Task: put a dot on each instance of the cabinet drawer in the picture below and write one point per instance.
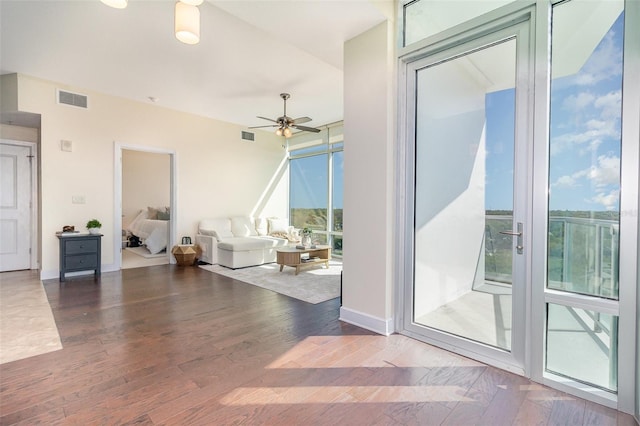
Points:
(89, 261)
(78, 247)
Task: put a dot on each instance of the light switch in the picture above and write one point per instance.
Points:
(77, 199)
(66, 145)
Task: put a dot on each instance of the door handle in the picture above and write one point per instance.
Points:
(516, 233)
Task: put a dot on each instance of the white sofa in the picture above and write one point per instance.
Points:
(241, 241)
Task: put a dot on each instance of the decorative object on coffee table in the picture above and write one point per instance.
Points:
(306, 237)
(186, 254)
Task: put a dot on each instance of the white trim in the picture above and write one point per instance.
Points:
(578, 389)
(537, 344)
(117, 191)
(519, 25)
(629, 236)
(581, 301)
(366, 321)
(470, 349)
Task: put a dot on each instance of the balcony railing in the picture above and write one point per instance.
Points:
(582, 254)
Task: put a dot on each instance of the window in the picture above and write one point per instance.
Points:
(315, 185)
(585, 144)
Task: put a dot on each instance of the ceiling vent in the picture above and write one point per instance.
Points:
(248, 136)
(72, 99)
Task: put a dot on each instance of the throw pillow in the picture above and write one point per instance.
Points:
(242, 226)
(262, 226)
(157, 241)
(164, 216)
(152, 213)
(278, 226)
(219, 228)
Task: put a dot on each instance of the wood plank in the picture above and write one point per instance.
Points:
(181, 345)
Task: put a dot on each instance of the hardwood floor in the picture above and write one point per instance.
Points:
(182, 346)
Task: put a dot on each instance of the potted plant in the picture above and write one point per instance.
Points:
(306, 236)
(94, 226)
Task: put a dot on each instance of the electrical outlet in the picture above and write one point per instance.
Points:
(77, 199)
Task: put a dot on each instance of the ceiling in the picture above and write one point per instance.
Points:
(250, 52)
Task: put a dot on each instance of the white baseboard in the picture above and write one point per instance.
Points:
(51, 274)
(366, 321)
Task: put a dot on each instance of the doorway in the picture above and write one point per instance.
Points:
(471, 195)
(145, 205)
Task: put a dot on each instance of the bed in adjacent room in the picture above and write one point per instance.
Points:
(151, 227)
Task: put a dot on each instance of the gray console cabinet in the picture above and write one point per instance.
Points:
(80, 253)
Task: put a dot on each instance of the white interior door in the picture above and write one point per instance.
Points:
(15, 206)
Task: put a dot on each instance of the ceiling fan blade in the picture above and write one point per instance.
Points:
(306, 129)
(268, 119)
(260, 127)
(301, 120)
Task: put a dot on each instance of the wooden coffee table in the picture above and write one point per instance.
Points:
(291, 256)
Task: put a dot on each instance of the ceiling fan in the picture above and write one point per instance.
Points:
(284, 124)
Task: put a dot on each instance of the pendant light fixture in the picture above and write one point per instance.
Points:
(118, 4)
(192, 2)
(187, 23)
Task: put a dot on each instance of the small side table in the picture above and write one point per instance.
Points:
(80, 252)
(186, 254)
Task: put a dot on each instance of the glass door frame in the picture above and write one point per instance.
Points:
(626, 305)
(515, 25)
(628, 308)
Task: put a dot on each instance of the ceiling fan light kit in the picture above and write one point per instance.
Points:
(187, 22)
(284, 124)
(118, 4)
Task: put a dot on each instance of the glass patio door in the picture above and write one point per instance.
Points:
(519, 200)
(471, 196)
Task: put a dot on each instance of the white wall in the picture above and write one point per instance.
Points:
(146, 181)
(18, 133)
(369, 108)
(217, 173)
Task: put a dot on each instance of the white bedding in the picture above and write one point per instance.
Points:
(142, 228)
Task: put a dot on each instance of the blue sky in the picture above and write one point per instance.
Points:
(585, 134)
(584, 150)
(309, 181)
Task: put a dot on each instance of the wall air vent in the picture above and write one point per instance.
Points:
(248, 136)
(72, 99)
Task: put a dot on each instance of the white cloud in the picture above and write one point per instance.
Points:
(565, 181)
(608, 201)
(578, 101)
(610, 104)
(606, 172)
(604, 63)
(604, 177)
(592, 133)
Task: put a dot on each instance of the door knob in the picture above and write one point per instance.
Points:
(516, 233)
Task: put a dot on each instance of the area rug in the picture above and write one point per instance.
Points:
(314, 284)
(144, 252)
